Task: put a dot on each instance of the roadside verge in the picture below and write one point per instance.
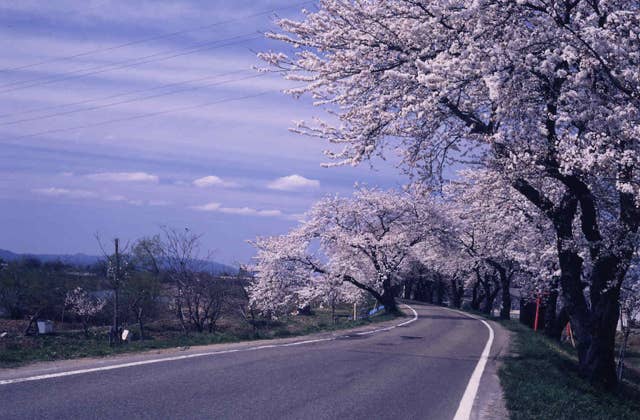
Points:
(541, 381)
(46, 370)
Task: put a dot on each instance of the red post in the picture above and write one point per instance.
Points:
(535, 323)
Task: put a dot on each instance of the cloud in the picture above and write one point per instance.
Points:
(296, 217)
(208, 207)
(64, 192)
(293, 183)
(69, 193)
(123, 177)
(213, 181)
(243, 211)
(247, 211)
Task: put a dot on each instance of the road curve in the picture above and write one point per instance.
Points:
(416, 371)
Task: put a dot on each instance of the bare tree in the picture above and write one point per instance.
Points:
(148, 253)
(142, 291)
(142, 294)
(198, 296)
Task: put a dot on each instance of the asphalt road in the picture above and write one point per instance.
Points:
(416, 371)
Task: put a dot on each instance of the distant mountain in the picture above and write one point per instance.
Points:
(75, 259)
(219, 268)
(83, 260)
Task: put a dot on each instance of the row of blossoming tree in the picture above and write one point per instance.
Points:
(382, 244)
(539, 100)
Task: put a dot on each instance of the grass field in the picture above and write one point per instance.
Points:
(17, 349)
(632, 357)
(540, 381)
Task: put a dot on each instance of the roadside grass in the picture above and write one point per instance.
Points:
(540, 381)
(18, 350)
(632, 356)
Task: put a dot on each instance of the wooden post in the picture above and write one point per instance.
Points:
(573, 343)
(623, 348)
(355, 311)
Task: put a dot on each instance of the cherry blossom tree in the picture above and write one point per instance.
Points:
(83, 305)
(286, 271)
(545, 93)
(362, 241)
(423, 283)
(442, 256)
(504, 236)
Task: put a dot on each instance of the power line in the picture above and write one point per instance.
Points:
(153, 38)
(126, 101)
(146, 115)
(127, 63)
(118, 95)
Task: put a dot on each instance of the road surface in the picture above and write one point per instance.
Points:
(416, 371)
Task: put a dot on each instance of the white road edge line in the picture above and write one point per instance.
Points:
(466, 403)
(191, 356)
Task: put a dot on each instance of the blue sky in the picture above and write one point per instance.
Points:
(80, 155)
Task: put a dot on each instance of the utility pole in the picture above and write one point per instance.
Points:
(116, 288)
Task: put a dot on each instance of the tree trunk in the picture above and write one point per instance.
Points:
(554, 330)
(428, 292)
(115, 328)
(623, 350)
(180, 314)
(475, 299)
(552, 324)
(595, 327)
(32, 319)
(457, 292)
(140, 323)
(488, 301)
(439, 289)
(305, 310)
(199, 326)
(598, 358)
(505, 311)
(489, 295)
(389, 301)
(505, 284)
(408, 288)
(115, 331)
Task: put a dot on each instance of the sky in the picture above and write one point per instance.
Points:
(118, 117)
